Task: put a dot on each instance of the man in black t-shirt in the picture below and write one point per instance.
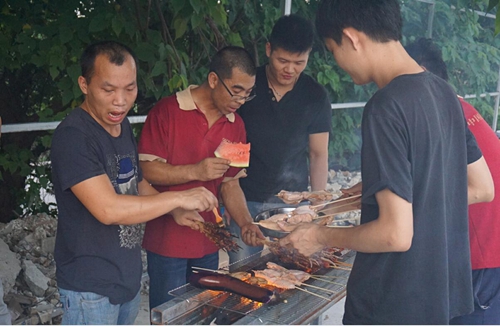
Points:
(101, 195)
(420, 166)
(287, 124)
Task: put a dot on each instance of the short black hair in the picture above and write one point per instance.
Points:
(231, 57)
(292, 33)
(426, 53)
(380, 20)
(115, 51)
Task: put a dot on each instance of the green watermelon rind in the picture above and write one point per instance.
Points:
(236, 165)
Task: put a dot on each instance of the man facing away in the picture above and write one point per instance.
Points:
(484, 222)
(102, 196)
(176, 150)
(288, 124)
(421, 167)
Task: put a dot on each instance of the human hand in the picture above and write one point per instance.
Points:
(198, 199)
(211, 168)
(187, 218)
(354, 190)
(303, 237)
(251, 234)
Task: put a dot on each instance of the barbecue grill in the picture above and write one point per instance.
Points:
(202, 307)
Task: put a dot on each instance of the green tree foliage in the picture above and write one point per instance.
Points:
(41, 41)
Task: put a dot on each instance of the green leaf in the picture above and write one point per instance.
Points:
(54, 72)
(160, 68)
(98, 23)
(65, 34)
(492, 4)
(145, 52)
(180, 26)
(196, 21)
(117, 25)
(196, 4)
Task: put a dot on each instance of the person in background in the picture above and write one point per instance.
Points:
(176, 150)
(484, 218)
(421, 167)
(102, 196)
(287, 124)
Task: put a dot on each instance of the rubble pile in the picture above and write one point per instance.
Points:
(28, 271)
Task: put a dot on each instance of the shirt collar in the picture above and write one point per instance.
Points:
(186, 102)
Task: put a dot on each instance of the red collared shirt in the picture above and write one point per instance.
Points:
(177, 132)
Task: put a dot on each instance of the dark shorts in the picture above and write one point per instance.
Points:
(486, 283)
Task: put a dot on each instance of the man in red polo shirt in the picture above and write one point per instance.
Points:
(176, 151)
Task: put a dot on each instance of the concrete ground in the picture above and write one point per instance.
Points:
(332, 316)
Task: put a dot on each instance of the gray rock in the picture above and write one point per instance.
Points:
(37, 282)
(9, 267)
(48, 245)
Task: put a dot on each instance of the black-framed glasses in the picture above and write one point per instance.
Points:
(236, 98)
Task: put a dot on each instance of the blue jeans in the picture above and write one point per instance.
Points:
(486, 290)
(246, 251)
(88, 308)
(166, 274)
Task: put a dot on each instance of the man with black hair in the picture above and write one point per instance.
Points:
(176, 150)
(484, 222)
(421, 168)
(101, 195)
(288, 123)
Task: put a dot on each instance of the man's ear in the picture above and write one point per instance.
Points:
(212, 79)
(268, 49)
(352, 36)
(82, 82)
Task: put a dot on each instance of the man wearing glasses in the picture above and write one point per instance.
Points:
(176, 152)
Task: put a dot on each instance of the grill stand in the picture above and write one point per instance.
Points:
(196, 306)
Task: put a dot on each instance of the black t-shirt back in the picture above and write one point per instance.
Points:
(416, 143)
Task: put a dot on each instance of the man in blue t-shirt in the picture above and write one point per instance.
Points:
(421, 167)
(101, 195)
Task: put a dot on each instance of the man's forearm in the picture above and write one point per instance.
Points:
(318, 173)
(165, 174)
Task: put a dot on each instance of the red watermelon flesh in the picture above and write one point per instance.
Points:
(237, 153)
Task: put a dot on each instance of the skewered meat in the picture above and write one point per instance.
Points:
(318, 197)
(222, 282)
(278, 217)
(328, 257)
(295, 197)
(291, 274)
(291, 197)
(299, 218)
(275, 279)
(219, 235)
(304, 209)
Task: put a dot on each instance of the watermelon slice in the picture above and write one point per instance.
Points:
(237, 153)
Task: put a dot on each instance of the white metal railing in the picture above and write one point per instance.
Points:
(37, 126)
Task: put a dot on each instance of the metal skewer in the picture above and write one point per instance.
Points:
(312, 293)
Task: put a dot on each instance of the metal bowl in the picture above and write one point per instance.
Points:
(267, 214)
(264, 215)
